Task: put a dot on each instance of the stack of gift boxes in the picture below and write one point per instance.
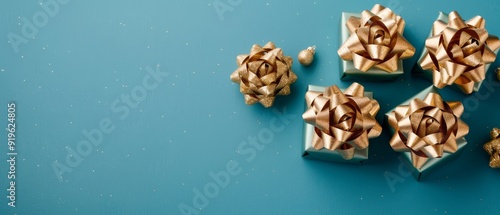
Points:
(338, 123)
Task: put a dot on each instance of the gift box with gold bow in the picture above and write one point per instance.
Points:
(339, 123)
(373, 45)
(427, 131)
(458, 52)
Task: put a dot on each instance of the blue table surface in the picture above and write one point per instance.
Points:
(126, 107)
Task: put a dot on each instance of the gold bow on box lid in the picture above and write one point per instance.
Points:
(373, 43)
(263, 74)
(458, 52)
(427, 129)
(338, 124)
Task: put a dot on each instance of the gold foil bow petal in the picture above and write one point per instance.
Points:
(376, 40)
(343, 121)
(493, 148)
(458, 51)
(263, 74)
(427, 128)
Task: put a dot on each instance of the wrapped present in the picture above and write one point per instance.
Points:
(338, 125)
(373, 45)
(263, 74)
(427, 131)
(458, 52)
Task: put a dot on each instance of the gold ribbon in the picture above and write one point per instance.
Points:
(427, 128)
(263, 74)
(342, 121)
(376, 40)
(458, 51)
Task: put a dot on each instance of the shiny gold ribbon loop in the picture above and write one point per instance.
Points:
(263, 74)
(427, 128)
(343, 121)
(458, 51)
(376, 40)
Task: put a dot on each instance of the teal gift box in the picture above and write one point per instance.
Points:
(425, 115)
(338, 101)
(460, 56)
(372, 45)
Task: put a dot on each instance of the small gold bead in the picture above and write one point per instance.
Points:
(306, 56)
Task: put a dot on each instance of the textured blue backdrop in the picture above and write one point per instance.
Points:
(148, 83)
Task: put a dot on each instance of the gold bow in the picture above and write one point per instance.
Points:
(458, 51)
(376, 40)
(342, 121)
(263, 74)
(493, 148)
(427, 128)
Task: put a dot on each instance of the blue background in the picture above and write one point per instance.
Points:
(90, 53)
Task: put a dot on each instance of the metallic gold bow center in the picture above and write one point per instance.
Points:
(427, 128)
(263, 74)
(376, 40)
(458, 51)
(343, 121)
